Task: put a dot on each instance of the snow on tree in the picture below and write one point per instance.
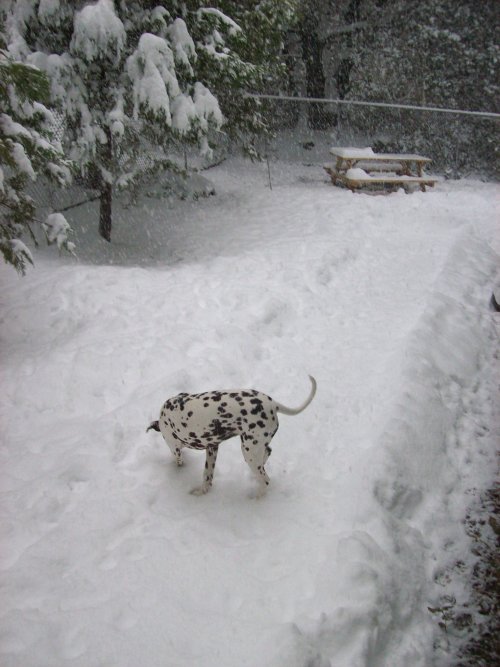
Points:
(126, 75)
(255, 62)
(27, 151)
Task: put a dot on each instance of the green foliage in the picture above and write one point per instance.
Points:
(26, 151)
(156, 79)
(30, 84)
(255, 64)
(161, 76)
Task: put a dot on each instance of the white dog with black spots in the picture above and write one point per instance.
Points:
(203, 421)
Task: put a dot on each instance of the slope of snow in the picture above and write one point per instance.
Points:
(107, 559)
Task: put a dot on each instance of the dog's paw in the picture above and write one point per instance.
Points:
(179, 462)
(260, 492)
(200, 490)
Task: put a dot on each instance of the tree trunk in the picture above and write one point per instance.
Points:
(320, 118)
(106, 191)
(315, 77)
(346, 65)
(105, 211)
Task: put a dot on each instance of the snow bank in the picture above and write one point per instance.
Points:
(448, 353)
(435, 448)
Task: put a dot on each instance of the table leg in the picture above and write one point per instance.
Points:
(406, 168)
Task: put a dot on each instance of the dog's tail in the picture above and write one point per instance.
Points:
(154, 425)
(295, 411)
(494, 305)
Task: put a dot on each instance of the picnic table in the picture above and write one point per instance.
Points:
(359, 167)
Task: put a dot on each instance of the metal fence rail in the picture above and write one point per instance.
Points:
(460, 142)
(380, 105)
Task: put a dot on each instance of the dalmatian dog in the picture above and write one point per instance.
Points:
(203, 421)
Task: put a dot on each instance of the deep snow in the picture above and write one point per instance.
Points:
(108, 561)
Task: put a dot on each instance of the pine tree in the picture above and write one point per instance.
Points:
(255, 62)
(27, 151)
(129, 75)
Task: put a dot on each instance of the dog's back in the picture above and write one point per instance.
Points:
(198, 420)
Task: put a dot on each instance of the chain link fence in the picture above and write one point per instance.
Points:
(459, 145)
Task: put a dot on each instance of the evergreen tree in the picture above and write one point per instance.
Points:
(125, 75)
(135, 76)
(312, 54)
(27, 151)
(255, 63)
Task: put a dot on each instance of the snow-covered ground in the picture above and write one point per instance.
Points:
(106, 559)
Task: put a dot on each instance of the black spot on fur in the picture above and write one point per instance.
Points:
(217, 427)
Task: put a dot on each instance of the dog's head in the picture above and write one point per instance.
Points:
(154, 425)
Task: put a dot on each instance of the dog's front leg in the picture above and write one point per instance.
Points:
(178, 456)
(208, 474)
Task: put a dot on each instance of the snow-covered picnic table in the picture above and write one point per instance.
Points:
(358, 167)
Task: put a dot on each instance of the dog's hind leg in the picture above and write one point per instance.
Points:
(208, 474)
(256, 451)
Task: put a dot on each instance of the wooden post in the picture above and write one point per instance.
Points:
(269, 173)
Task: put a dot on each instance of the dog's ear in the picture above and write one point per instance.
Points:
(154, 425)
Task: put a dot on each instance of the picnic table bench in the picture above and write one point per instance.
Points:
(359, 167)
